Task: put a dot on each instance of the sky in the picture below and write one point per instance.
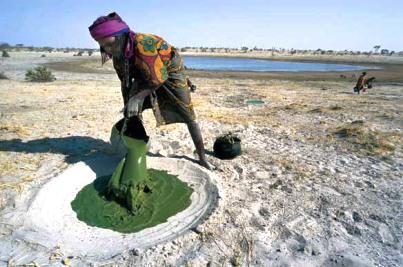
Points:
(298, 24)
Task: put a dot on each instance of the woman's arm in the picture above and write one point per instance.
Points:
(134, 105)
(119, 68)
(125, 93)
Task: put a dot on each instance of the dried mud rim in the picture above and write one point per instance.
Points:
(50, 220)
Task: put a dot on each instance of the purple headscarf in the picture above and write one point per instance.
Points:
(112, 25)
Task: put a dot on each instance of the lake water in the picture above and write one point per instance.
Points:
(246, 64)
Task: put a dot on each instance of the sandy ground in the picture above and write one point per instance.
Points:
(318, 184)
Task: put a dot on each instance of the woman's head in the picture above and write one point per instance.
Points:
(106, 26)
(113, 45)
(110, 32)
(107, 43)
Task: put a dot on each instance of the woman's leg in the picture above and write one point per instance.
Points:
(197, 138)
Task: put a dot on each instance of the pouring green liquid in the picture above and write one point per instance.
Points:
(133, 197)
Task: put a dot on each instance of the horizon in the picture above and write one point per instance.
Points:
(198, 47)
(353, 26)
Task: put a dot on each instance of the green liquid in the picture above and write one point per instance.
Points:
(255, 102)
(168, 196)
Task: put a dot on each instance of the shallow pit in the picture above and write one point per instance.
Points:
(51, 221)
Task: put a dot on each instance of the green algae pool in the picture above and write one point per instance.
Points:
(167, 197)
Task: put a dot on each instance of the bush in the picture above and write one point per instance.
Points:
(39, 74)
(3, 76)
(5, 54)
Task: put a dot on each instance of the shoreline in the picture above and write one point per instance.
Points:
(388, 73)
(352, 60)
(289, 59)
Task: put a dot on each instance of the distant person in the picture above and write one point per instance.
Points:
(360, 82)
(151, 73)
(369, 83)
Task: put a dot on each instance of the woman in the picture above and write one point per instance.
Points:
(361, 83)
(151, 73)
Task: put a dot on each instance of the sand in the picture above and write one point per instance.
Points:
(318, 184)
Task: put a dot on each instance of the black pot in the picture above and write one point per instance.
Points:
(227, 147)
(134, 128)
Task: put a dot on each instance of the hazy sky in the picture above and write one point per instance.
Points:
(300, 24)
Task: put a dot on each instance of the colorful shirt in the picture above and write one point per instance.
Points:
(156, 64)
(152, 57)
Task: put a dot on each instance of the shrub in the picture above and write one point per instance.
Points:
(39, 74)
(5, 54)
(368, 141)
(3, 76)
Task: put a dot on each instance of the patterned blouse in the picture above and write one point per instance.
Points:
(152, 60)
(156, 64)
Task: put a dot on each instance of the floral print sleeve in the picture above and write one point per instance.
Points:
(152, 58)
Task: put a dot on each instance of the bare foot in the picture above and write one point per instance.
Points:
(207, 165)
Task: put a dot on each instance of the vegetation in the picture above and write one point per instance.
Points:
(244, 49)
(39, 74)
(369, 141)
(3, 76)
(4, 45)
(5, 54)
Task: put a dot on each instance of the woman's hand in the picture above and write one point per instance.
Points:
(133, 107)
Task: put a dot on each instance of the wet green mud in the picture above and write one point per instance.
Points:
(168, 196)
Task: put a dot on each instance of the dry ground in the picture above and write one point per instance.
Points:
(319, 182)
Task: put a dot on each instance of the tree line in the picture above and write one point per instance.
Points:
(244, 49)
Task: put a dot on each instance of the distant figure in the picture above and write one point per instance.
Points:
(360, 82)
(369, 83)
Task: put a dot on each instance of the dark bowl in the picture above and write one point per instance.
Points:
(119, 125)
(134, 128)
(225, 149)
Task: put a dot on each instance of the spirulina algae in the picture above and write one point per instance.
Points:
(168, 196)
(133, 197)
